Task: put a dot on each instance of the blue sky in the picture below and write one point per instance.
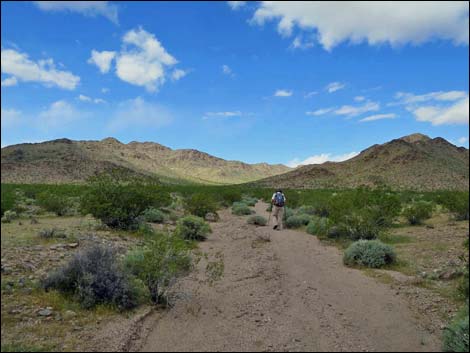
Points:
(258, 82)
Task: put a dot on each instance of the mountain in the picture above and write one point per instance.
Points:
(412, 162)
(67, 161)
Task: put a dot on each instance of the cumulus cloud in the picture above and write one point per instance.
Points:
(456, 113)
(378, 117)
(334, 86)
(21, 68)
(9, 81)
(102, 59)
(138, 113)
(235, 5)
(87, 8)
(321, 158)
(300, 43)
(143, 61)
(396, 23)
(283, 93)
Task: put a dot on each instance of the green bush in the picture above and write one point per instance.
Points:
(319, 226)
(358, 226)
(458, 204)
(240, 209)
(192, 228)
(60, 205)
(8, 216)
(52, 233)
(118, 205)
(230, 196)
(455, 336)
(153, 215)
(257, 220)
(250, 201)
(418, 211)
(159, 263)
(200, 204)
(370, 253)
(308, 210)
(297, 221)
(94, 277)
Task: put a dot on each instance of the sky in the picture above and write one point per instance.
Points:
(277, 82)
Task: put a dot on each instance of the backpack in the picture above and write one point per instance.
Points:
(279, 199)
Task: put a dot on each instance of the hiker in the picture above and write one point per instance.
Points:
(278, 201)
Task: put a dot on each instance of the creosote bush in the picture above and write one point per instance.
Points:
(455, 337)
(58, 204)
(192, 228)
(8, 216)
(319, 226)
(159, 263)
(240, 209)
(369, 253)
(200, 204)
(153, 215)
(94, 277)
(418, 211)
(250, 201)
(52, 233)
(358, 226)
(257, 220)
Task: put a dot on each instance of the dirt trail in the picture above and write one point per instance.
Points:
(290, 294)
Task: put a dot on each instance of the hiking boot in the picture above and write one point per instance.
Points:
(275, 227)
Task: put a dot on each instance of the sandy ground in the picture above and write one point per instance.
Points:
(290, 294)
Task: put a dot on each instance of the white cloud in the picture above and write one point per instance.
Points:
(99, 101)
(334, 86)
(9, 81)
(359, 98)
(178, 74)
(396, 23)
(58, 114)
(227, 114)
(321, 158)
(379, 117)
(320, 111)
(235, 5)
(10, 117)
(457, 113)
(227, 70)
(310, 94)
(102, 59)
(87, 99)
(410, 98)
(351, 111)
(145, 64)
(300, 43)
(137, 113)
(104, 90)
(87, 8)
(23, 69)
(283, 93)
(462, 140)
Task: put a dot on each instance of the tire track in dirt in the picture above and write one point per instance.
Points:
(290, 294)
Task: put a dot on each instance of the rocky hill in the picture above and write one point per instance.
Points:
(411, 162)
(67, 161)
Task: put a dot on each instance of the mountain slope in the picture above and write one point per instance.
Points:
(411, 162)
(67, 161)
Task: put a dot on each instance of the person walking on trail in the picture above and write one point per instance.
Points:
(278, 201)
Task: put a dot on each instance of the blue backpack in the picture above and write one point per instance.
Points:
(279, 199)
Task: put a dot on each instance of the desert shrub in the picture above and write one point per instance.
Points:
(358, 226)
(153, 215)
(457, 203)
(52, 233)
(418, 211)
(319, 226)
(250, 201)
(118, 205)
(240, 209)
(370, 253)
(455, 337)
(58, 204)
(297, 221)
(200, 204)
(309, 210)
(257, 220)
(8, 216)
(94, 277)
(288, 212)
(230, 196)
(192, 228)
(159, 263)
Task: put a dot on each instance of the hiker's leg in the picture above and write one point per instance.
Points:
(281, 218)
(275, 215)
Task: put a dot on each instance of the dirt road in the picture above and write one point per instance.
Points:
(290, 294)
